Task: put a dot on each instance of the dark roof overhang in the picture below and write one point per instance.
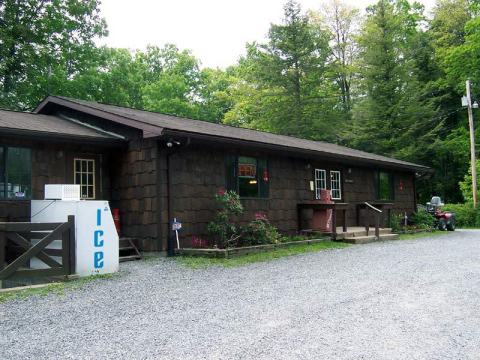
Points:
(60, 138)
(168, 128)
(148, 130)
(296, 152)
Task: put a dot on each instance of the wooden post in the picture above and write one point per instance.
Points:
(71, 245)
(472, 145)
(377, 225)
(334, 224)
(3, 245)
(66, 252)
(344, 220)
(366, 219)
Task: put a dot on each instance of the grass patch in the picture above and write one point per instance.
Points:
(422, 234)
(54, 288)
(196, 262)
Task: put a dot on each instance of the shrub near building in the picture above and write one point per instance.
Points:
(465, 214)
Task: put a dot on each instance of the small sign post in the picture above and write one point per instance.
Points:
(176, 225)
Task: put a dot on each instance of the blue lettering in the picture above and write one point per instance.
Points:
(99, 217)
(97, 241)
(98, 260)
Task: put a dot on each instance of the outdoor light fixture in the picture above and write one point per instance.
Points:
(252, 182)
(170, 143)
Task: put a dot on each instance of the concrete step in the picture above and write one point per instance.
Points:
(360, 239)
(386, 237)
(371, 231)
(369, 238)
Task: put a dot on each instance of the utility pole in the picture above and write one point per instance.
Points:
(472, 145)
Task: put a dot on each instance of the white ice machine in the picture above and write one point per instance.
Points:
(95, 234)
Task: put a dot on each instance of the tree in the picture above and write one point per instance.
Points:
(342, 21)
(164, 80)
(449, 154)
(42, 45)
(394, 110)
(283, 85)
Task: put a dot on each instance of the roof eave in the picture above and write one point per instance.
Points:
(39, 135)
(148, 130)
(295, 150)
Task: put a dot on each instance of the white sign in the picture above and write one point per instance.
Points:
(96, 237)
(176, 225)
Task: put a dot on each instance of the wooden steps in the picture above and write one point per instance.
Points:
(361, 237)
(128, 251)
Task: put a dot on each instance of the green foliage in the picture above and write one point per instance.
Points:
(394, 116)
(390, 85)
(260, 231)
(466, 184)
(43, 44)
(422, 220)
(433, 233)
(284, 86)
(226, 233)
(465, 214)
(397, 222)
(58, 288)
(418, 220)
(296, 249)
(222, 228)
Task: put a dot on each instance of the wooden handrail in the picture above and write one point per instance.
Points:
(377, 219)
(373, 207)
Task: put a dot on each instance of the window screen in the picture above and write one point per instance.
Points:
(320, 182)
(84, 175)
(15, 173)
(336, 185)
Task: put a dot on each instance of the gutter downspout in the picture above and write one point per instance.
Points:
(171, 243)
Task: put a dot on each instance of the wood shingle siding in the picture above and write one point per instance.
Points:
(156, 167)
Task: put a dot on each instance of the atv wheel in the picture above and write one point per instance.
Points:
(451, 226)
(442, 225)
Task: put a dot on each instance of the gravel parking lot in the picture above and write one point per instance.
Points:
(411, 299)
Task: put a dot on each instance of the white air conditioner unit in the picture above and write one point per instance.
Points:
(62, 192)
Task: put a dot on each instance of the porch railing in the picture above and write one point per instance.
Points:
(377, 213)
(30, 241)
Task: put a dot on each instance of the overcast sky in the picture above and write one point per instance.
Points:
(215, 30)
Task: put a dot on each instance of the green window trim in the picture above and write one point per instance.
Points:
(247, 176)
(15, 173)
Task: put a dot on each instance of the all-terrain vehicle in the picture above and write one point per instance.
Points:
(445, 220)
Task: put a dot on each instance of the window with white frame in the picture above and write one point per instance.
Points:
(84, 175)
(320, 182)
(336, 185)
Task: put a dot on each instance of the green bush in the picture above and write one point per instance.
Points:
(422, 220)
(259, 232)
(397, 222)
(224, 232)
(465, 214)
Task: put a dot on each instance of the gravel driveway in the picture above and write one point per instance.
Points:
(415, 299)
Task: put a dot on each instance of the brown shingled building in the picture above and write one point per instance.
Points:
(155, 167)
